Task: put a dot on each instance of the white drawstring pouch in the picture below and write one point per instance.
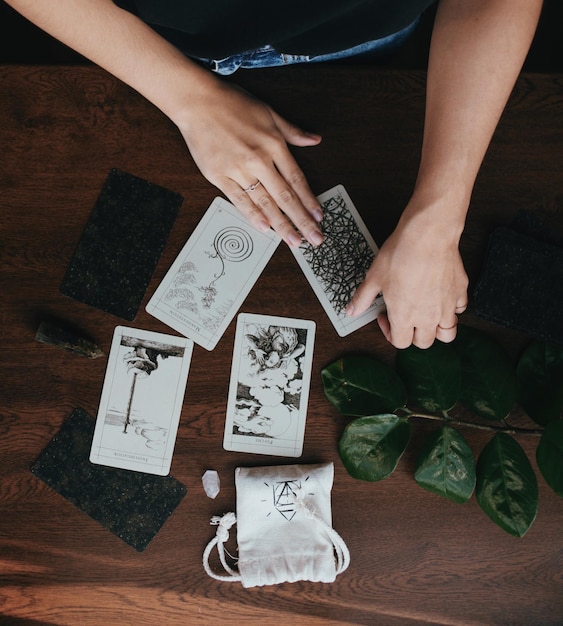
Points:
(284, 527)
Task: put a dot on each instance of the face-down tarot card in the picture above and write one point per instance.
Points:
(337, 267)
(212, 275)
(141, 401)
(269, 387)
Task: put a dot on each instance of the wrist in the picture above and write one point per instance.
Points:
(185, 90)
(440, 218)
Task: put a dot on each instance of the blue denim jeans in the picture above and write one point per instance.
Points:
(266, 56)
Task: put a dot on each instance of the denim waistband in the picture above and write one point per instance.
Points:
(266, 56)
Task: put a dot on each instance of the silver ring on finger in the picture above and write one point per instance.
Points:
(448, 327)
(252, 187)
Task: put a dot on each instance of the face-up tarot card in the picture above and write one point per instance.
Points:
(338, 266)
(141, 401)
(212, 275)
(269, 387)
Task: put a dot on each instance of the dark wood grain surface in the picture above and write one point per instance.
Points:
(416, 558)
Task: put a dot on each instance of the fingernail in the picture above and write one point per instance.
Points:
(263, 226)
(349, 310)
(317, 215)
(316, 237)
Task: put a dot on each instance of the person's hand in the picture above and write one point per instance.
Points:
(240, 145)
(421, 276)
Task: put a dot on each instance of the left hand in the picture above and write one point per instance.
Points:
(420, 273)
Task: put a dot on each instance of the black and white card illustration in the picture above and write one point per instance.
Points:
(337, 267)
(141, 401)
(212, 275)
(269, 386)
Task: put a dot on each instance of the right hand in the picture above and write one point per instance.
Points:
(241, 146)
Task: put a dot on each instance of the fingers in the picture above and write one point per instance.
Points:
(461, 304)
(422, 337)
(294, 196)
(286, 201)
(279, 197)
(402, 336)
(253, 166)
(274, 204)
(402, 332)
(398, 336)
(364, 295)
(446, 332)
(293, 134)
(236, 194)
(252, 187)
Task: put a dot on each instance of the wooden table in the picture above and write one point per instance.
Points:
(416, 558)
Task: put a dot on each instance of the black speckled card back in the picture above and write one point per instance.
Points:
(521, 284)
(121, 244)
(132, 505)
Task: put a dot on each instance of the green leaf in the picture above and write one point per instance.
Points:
(446, 466)
(549, 456)
(507, 489)
(361, 385)
(432, 376)
(540, 381)
(371, 446)
(488, 377)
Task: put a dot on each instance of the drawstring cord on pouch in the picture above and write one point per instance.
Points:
(227, 521)
(224, 524)
(340, 548)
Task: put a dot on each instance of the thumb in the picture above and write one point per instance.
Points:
(363, 298)
(293, 134)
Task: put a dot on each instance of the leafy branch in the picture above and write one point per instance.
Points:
(511, 430)
(476, 372)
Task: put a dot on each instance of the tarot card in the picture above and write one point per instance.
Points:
(132, 505)
(121, 244)
(269, 387)
(141, 401)
(212, 275)
(336, 268)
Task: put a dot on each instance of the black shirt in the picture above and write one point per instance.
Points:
(219, 28)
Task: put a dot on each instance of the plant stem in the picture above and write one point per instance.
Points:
(511, 430)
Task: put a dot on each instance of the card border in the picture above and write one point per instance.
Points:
(347, 325)
(95, 450)
(296, 450)
(159, 310)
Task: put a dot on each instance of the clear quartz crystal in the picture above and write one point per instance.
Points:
(210, 480)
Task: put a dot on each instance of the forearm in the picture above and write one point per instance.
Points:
(235, 140)
(477, 51)
(126, 47)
